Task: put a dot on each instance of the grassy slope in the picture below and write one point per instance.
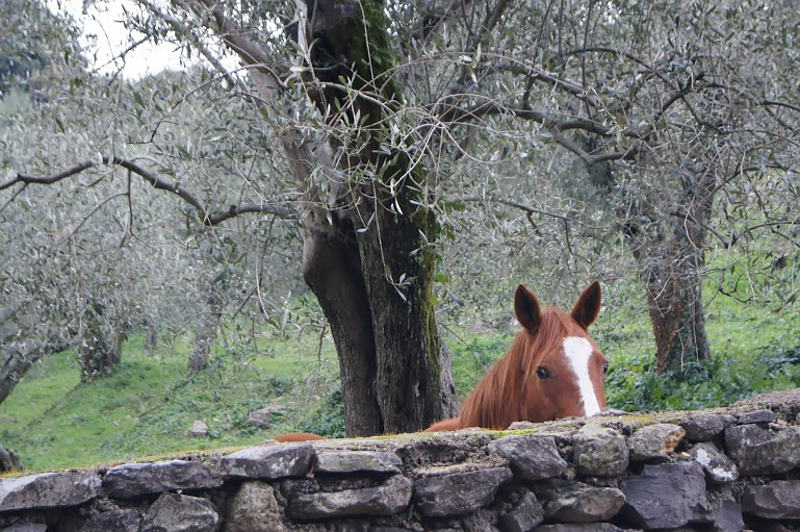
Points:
(147, 407)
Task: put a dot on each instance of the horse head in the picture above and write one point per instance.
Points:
(563, 368)
(553, 369)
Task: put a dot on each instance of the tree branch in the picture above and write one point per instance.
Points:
(209, 218)
(523, 207)
(248, 50)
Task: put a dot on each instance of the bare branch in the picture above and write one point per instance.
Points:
(248, 50)
(209, 218)
(523, 207)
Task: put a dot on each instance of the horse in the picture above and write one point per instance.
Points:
(553, 369)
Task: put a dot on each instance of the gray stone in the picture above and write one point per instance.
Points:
(666, 496)
(707, 426)
(9, 460)
(575, 502)
(386, 499)
(132, 480)
(757, 450)
(728, 517)
(524, 516)
(780, 499)
(532, 457)
(254, 509)
(357, 461)
(600, 452)
(48, 490)
(719, 468)
(26, 527)
(268, 462)
(262, 417)
(458, 493)
(199, 429)
(116, 520)
(756, 416)
(655, 441)
(173, 512)
(581, 527)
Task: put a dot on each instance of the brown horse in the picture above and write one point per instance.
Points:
(553, 369)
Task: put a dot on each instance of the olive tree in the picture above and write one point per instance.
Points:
(378, 108)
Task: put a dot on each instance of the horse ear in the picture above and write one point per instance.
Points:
(588, 306)
(526, 309)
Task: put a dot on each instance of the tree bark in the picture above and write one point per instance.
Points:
(332, 269)
(676, 310)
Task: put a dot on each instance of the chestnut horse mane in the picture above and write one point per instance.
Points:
(499, 398)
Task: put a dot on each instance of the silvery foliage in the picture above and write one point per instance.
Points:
(101, 249)
(660, 86)
(516, 103)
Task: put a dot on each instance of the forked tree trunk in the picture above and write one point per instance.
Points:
(395, 373)
(370, 268)
(332, 269)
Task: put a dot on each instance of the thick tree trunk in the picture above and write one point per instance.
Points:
(332, 270)
(370, 268)
(674, 301)
(398, 266)
(393, 373)
(671, 260)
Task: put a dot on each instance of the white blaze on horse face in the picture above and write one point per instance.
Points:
(578, 352)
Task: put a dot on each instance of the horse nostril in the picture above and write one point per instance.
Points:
(605, 368)
(543, 372)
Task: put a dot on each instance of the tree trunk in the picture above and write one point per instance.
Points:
(671, 260)
(332, 270)
(15, 365)
(99, 352)
(670, 253)
(674, 301)
(151, 337)
(206, 332)
(398, 266)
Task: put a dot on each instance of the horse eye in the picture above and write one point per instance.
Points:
(605, 368)
(542, 372)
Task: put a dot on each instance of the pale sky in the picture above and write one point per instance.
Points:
(112, 38)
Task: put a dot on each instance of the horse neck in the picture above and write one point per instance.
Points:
(498, 399)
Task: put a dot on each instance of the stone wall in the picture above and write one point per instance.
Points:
(723, 469)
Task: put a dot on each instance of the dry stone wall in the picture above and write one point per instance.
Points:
(718, 470)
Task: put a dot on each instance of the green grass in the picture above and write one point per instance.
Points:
(148, 405)
(53, 420)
